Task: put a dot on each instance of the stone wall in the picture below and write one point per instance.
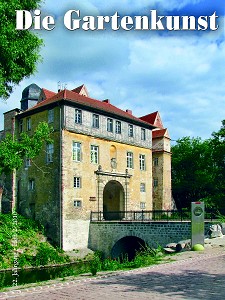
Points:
(103, 236)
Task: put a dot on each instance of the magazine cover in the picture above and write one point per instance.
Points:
(111, 126)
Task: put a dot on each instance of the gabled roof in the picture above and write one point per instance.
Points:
(87, 102)
(154, 119)
(158, 133)
(81, 90)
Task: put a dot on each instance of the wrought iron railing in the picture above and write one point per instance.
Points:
(143, 215)
(151, 215)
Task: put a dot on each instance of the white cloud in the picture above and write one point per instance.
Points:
(180, 74)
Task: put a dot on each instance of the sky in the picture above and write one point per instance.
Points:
(180, 74)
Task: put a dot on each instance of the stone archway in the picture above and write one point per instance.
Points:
(113, 201)
(127, 247)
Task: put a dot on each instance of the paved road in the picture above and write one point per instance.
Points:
(201, 277)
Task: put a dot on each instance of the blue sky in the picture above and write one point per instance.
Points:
(180, 74)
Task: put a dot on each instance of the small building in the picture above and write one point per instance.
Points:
(102, 159)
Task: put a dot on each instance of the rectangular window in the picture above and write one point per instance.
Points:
(31, 185)
(51, 116)
(95, 121)
(130, 130)
(76, 151)
(110, 125)
(142, 205)
(27, 162)
(78, 116)
(50, 151)
(130, 162)
(155, 182)
(142, 162)
(118, 127)
(94, 154)
(77, 203)
(142, 187)
(77, 182)
(21, 126)
(155, 161)
(28, 124)
(143, 134)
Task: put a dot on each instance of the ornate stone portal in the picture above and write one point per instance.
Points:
(113, 193)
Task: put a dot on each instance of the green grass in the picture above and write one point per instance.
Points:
(23, 240)
(143, 258)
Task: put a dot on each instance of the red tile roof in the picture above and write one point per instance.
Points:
(160, 133)
(81, 88)
(153, 118)
(76, 98)
(48, 93)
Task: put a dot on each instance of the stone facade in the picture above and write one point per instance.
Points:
(100, 160)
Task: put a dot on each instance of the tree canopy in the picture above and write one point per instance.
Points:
(14, 151)
(19, 48)
(198, 170)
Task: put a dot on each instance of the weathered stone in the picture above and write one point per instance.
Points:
(169, 250)
(171, 246)
(215, 231)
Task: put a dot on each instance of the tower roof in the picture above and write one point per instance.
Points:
(31, 92)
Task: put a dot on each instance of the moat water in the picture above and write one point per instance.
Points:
(24, 276)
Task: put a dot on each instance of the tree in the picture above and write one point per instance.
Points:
(19, 48)
(14, 151)
(217, 144)
(198, 170)
(193, 173)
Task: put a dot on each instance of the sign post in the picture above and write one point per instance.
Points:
(197, 223)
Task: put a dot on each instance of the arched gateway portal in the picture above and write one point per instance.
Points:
(113, 201)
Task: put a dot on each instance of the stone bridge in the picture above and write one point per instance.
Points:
(114, 238)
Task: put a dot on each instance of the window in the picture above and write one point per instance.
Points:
(50, 115)
(155, 161)
(50, 151)
(143, 134)
(28, 124)
(118, 127)
(110, 125)
(129, 160)
(76, 151)
(155, 182)
(21, 126)
(77, 203)
(77, 182)
(142, 205)
(78, 116)
(31, 185)
(27, 162)
(130, 130)
(94, 154)
(95, 121)
(142, 162)
(142, 187)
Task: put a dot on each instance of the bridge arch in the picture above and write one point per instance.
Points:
(127, 246)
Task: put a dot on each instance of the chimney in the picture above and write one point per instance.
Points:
(129, 111)
(106, 101)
